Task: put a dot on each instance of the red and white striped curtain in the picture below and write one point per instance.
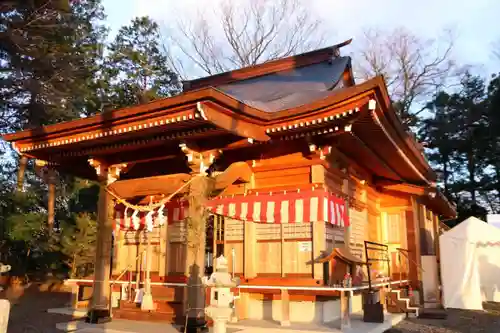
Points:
(301, 206)
(284, 207)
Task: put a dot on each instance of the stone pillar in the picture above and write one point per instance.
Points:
(4, 315)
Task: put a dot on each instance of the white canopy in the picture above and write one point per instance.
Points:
(470, 265)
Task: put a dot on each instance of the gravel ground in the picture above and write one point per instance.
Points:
(28, 313)
(458, 321)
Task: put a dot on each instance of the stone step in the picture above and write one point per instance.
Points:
(137, 314)
(433, 314)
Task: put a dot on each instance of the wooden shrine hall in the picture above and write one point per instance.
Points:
(287, 168)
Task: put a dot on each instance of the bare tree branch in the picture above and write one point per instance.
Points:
(243, 34)
(414, 68)
(496, 50)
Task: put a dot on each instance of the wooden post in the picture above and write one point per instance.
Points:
(318, 246)
(345, 318)
(163, 263)
(282, 229)
(75, 291)
(412, 220)
(382, 297)
(285, 307)
(198, 195)
(101, 289)
(21, 171)
(51, 198)
(250, 242)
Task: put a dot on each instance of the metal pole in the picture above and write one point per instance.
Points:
(233, 255)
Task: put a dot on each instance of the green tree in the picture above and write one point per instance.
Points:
(136, 69)
(77, 241)
(47, 51)
(438, 133)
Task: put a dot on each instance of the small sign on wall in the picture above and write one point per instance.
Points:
(305, 246)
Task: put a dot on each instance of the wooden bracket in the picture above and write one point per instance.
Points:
(316, 151)
(108, 173)
(199, 161)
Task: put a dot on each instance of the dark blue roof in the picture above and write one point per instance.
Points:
(289, 89)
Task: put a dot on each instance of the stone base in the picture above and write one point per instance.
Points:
(98, 316)
(196, 325)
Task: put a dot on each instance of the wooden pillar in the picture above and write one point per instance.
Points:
(101, 289)
(345, 318)
(250, 241)
(101, 293)
(285, 307)
(118, 266)
(21, 171)
(164, 251)
(282, 253)
(198, 195)
(75, 293)
(438, 258)
(51, 198)
(318, 246)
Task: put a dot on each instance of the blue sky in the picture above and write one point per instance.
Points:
(474, 22)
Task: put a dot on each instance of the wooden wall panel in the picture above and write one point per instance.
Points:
(177, 258)
(296, 261)
(233, 230)
(238, 251)
(269, 255)
(282, 177)
(358, 232)
(138, 264)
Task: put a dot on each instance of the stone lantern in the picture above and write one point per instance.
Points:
(221, 298)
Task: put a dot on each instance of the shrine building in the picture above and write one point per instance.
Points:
(290, 169)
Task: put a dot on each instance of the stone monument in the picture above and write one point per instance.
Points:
(4, 304)
(3, 269)
(221, 297)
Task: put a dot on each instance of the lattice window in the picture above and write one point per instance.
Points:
(358, 231)
(233, 229)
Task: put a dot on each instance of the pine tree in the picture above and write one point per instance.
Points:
(77, 241)
(135, 68)
(50, 57)
(46, 52)
(457, 140)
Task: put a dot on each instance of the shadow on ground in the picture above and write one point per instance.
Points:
(458, 321)
(29, 304)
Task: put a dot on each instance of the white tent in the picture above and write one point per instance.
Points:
(470, 265)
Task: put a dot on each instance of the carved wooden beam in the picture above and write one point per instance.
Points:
(199, 161)
(109, 173)
(317, 151)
